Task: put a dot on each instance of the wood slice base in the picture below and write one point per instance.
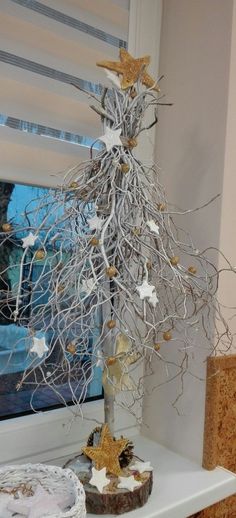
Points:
(114, 500)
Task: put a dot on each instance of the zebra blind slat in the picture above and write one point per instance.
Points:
(45, 123)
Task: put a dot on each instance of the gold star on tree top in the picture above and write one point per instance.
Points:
(131, 69)
(106, 454)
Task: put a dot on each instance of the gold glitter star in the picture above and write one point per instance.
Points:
(106, 454)
(131, 69)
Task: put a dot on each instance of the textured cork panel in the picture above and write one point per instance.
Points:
(224, 509)
(220, 413)
(220, 427)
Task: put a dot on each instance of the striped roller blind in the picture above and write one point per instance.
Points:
(46, 125)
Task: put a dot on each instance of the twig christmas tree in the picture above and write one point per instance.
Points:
(120, 278)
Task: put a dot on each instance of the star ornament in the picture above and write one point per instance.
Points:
(39, 346)
(131, 70)
(145, 290)
(128, 483)
(111, 138)
(141, 467)
(106, 454)
(99, 479)
(153, 227)
(153, 300)
(29, 240)
(95, 223)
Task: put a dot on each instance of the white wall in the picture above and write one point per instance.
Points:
(195, 59)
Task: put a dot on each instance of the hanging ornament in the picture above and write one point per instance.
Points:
(39, 346)
(94, 241)
(29, 240)
(71, 348)
(192, 270)
(111, 271)
(40, 254)
(115, 376)
(124, 168)
(145, 290)
(174, 260)
(153, 227)
(113, 78)
(106, 454)
(74, 185)
(131, 70)
(7, 227)
(157, 347)
(111, 324)
(95, 223)
(153, 300)
(111, 138)
(167, 336)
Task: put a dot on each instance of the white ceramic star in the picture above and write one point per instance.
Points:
(39, 346)
(145, 290)
(153, 300)
(128, 483)
(99, 479)
(113, 78)
(36, 506)
(95, 223)
(88, 285)
(141, 467)
(153, 226)
(29, 240)
(111, 138)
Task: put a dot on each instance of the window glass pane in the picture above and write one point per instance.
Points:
(24, 206)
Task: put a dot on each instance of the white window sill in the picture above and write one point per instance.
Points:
(180, 487)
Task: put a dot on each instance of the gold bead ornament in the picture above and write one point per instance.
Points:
(124, 168)
(71, 348)
(161, 206)
(192, 270)
(40, 254)
(6, 227)
(174, 260)
(111, 271)
(111, 324)
(167, 336)
(74, 185)
(94, 241)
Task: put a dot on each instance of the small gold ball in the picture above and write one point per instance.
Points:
(111, 324)
(40, 254)
(161, 206)
(111, 360)
(71, 348)
(111, 271)
(192, 270)
(124, 168)
(174, 260)
(132, 142)
(6, 227)
(94, 241)
(74, 185)
(167, 336)
(136, 231)
(156, 347)
(149, 265)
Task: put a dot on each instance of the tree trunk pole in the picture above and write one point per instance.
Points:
(109, 413)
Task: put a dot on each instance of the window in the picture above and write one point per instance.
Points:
(46, 126)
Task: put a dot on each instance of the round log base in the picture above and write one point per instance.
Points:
(114, 500)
